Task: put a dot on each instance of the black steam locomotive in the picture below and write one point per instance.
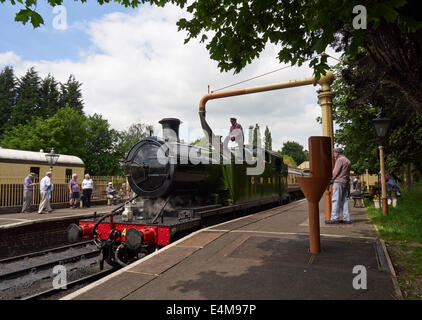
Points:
(181, 187)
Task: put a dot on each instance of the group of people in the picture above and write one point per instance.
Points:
(74, 191)
(46, 188)
(341, 188)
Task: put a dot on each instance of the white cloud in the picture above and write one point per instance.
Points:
(9, 58)
(138, 69)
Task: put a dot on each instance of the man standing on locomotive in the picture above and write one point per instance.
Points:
(341, 188)
(236, 134)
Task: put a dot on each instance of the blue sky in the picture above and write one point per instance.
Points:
(46, 42)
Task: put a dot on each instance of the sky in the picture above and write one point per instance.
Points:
(134, 67)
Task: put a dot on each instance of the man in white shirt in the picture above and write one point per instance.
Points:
(45, 184)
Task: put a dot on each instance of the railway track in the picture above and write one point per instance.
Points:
(31, 276)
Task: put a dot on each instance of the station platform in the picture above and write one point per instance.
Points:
(263, 256)
(23, 233)
(12, 220)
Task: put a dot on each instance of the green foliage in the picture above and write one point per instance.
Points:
(22, 99)
(7, 96)
(257, 137)
(288, 159)
(49, 96)
(404, 221)
(28, 99)
(361, 92)
(201, 142)
(250, 135)
(295, 150)
(126, 139)
(71, 95)
(268, 141)
(64, 131)
(100, 155)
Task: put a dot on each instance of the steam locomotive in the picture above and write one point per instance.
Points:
(181, 187)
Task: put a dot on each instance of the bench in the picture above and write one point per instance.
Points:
(98, 195)
(357, 199)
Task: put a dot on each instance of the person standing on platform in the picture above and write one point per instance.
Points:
(28, 187)
(341, 188)
(45, 185)
(87, 187)
(74, 191)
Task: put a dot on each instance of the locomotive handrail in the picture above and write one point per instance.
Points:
(110, 214)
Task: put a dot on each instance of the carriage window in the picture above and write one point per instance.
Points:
(68, 175)
(35, 170)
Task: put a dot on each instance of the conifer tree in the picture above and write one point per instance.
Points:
(49, 96)
(70, 95)
(257, 137)
(28, 99)
(268, 141)
(250, 137)
(7, 96)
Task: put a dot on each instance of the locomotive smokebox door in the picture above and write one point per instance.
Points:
(149, 169)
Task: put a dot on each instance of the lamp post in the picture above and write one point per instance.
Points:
(382, 124)
(365, 163)
(52, 158)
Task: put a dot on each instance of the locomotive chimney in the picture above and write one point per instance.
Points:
(170, 129)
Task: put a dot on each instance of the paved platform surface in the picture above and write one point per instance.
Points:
(10, 220)
(264, 256)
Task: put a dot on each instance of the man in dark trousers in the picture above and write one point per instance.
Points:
(236, 135)
(341, 176)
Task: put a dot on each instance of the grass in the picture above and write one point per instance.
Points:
(403, 222)
(402, 231)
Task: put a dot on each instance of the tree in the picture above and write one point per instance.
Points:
(49, 96)
(201, 142)
(288, 159)
(70, 94)
(65, 132)
(128, 138)
(360, 95)
(268, 141)
(250, 135)
(28, 99)
(101, 156)
(7, 96)
(295, 150)
(257, 137)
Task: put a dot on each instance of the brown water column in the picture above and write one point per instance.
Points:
(313, 187)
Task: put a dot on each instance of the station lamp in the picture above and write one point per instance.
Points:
(382, 124)
(52, 158)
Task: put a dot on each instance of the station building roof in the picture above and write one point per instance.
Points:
(31, 157)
